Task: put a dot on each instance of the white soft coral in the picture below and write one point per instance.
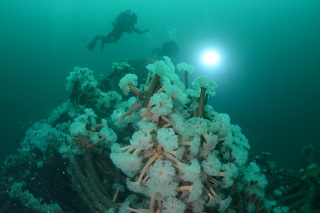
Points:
(128, 163)
(167, 139)
(173, 205)
(203, 82)
(162, 171)
(141, 140)
(129, 82)
(160, 105)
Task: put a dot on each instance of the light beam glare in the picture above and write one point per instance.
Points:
(211, 58)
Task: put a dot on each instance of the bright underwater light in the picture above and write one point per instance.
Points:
(211, 58)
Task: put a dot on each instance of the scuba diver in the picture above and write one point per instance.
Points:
(169, 48)
(124, 23)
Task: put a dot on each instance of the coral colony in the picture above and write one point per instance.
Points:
(175, 153)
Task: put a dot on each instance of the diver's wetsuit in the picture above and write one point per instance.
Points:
(124, 22)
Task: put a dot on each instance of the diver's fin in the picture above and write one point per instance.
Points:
(92, 44)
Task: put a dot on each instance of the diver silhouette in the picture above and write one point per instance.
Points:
(169, 48)
(124, 23)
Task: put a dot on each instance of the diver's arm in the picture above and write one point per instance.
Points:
(139, 31)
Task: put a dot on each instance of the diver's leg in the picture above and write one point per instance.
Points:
(108, 39)
(93, 43)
